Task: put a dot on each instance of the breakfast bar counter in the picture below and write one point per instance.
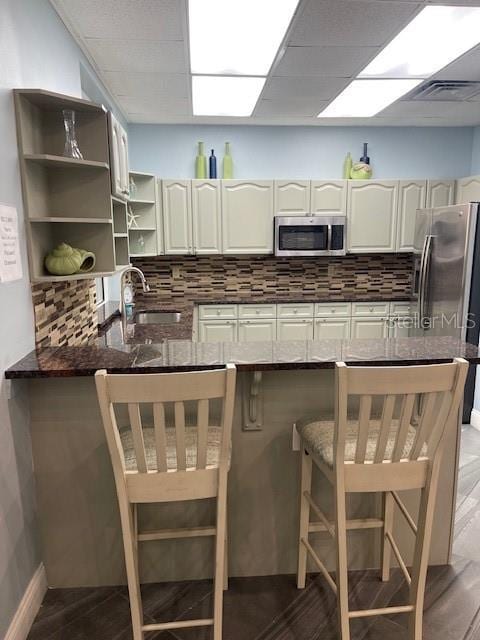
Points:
(77, 505)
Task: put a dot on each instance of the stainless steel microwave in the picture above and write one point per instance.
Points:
(310, 235)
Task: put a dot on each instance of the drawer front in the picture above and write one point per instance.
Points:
(218, 330)
(371, 308)
(217, 311)
(257, 330)
(400, 309)
(291, 310)
(257, 311)
(301, 329)
(334, 310)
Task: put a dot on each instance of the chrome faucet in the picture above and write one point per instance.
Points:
(145, 286)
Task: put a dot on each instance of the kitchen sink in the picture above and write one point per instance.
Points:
(157, 317)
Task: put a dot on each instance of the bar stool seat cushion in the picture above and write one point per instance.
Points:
(213, 447)
(317, 436)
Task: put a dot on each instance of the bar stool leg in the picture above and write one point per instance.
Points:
(225, 567)
(387, 527)
(305, 485)
(220, 556)
(342, 564)
(130, 545)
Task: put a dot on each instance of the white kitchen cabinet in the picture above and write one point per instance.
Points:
(398, 327)
(440, 193)
(218, 311)
(372, 214)
(328, 197)
(468, 190)
(291, 329)
(119, 170)
(412, 196)
(292, 197)
(207, 217)
(177, 217)
(257, 330)
(218, 330)
(326, 328)
(369, 327)
(247, 216)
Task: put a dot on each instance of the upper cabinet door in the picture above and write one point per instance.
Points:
(292, 197)
(207, 216)
(372, 213)
(328, 197)
(440, 193)
(412, 196)
(177, 217)
(247, 216)
(118, 144)
(468, 190)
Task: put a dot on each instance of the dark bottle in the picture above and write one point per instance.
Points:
(212, 165)
(365, 157)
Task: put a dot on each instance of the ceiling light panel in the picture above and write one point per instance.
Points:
(434, 38)
(232, 37)
(225, 95)
(366, 98)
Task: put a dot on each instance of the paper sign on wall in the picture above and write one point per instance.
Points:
(10, 262)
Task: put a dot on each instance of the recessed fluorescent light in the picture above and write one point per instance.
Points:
(225, 95)
(433, 39)
(237, 37)
(365, 98)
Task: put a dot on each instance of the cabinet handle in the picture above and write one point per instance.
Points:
(295, 311)
(371, 309)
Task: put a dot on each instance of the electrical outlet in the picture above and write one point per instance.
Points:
(175, 273)
(295, 439)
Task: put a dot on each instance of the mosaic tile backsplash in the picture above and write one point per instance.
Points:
(65, 312)
(253, 278)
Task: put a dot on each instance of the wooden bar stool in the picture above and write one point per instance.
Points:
(384, 455)
(160, 463)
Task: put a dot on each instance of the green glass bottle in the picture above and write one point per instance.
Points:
(201, 162)
(227, 162)
(347, 166)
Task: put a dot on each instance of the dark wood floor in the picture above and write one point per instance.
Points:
(271, 608)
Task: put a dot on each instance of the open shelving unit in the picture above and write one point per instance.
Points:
(65, 199)
(143, 204)
(120, 232)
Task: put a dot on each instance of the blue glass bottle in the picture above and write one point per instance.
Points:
(212, 165)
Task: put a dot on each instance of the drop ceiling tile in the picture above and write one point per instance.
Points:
(125, 19)
(467, 67)
(324, 61)
(340, 22)
(168, 85)
(285, 87)
(138, 56)
(290, 107)
(161, 108)
(432, 109)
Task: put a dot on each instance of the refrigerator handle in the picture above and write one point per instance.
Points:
(427, 248)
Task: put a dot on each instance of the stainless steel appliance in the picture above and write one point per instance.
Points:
(446, 290)
(443, 256)
(310, 235)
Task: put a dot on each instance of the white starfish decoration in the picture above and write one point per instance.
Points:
(132, 219)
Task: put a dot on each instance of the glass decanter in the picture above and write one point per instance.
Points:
(71, 149)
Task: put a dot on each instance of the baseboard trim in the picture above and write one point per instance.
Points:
(475, 419)
(29, 605)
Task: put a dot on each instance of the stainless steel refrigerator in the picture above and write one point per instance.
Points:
(446, 276)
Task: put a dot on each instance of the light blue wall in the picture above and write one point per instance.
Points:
(35, 51)
(304, 152)
(475, 166)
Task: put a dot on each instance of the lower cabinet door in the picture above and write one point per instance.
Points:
(257, 330)
(218, 330)
(301, 329)
(399, 327)
(327, 328)
(369, 328)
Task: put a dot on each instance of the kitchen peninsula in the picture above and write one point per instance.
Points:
(77, 506)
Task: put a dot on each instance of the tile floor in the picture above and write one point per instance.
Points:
(271, 608)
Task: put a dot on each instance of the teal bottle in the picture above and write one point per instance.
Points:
(227, 163)
(201, 162)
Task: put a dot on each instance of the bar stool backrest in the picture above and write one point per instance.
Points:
(438, 390)
(158, 391)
